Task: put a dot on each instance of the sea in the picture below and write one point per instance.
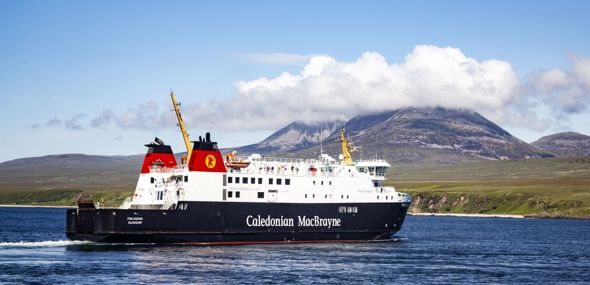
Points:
(428, 250)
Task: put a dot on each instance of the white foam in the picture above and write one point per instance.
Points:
(46, 243)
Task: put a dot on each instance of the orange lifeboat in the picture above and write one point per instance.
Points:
(232, 162)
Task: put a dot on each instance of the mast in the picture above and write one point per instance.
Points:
(187, 140)
(321, 141)
(346, 150)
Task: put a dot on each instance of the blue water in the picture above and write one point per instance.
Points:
(432, 250)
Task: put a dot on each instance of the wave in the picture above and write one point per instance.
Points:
(45, 243)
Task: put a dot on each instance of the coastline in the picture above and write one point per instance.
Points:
(37, 206)
(470, 215)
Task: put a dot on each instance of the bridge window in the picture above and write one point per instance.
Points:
(381, 171)
(260, 195)
(230, 194)
(270, 181)
(279, 181)
(237, 194)
(230, 180)
(259, 180)
(244, 180)
(152, 180)
(252, 180)
(287, 181)
(237, 180)
(185, 178)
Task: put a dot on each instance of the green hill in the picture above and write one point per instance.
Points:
(554, 187)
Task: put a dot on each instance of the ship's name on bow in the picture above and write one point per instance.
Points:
(134, 220)
(302, 221)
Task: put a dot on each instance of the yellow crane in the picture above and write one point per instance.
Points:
(187, 140)
(347, 150)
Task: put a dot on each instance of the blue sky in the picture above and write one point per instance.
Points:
(63, 63)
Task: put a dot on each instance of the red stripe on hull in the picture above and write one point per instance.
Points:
(272, 242)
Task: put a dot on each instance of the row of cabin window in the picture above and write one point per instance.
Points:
(230, 194)
(253, 180)
(326, 196)
(322, 182)
(153, 180)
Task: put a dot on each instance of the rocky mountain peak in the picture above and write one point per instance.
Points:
(295, 136)
(565, 144)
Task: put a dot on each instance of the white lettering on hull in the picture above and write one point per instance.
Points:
(303, 221)
(134, 220)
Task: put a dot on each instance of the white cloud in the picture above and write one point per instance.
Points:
(145, 116)
(326, 89)
(581, 71)
(565, 92)
(74, 122)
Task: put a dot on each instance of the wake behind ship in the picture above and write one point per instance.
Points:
(208, 198)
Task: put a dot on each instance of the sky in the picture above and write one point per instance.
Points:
(94, 77)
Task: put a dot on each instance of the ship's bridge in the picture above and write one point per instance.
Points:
(375, 168)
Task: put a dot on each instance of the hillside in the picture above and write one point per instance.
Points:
(430, 135)
(69, 171)
(565, 144)
(549, 187)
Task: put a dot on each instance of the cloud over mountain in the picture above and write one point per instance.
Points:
(326, 89)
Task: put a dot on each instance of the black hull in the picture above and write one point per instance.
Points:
(238, 223)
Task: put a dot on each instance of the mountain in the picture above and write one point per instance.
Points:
(565, 144)
(429, 135)
(409, 135)
(295, 136)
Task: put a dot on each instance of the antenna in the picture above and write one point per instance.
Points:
(321, 139)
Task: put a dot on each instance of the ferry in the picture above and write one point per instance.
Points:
(204, 199)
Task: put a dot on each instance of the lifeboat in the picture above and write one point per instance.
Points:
(232, 162)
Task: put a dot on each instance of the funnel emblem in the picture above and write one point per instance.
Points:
(210, 161)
